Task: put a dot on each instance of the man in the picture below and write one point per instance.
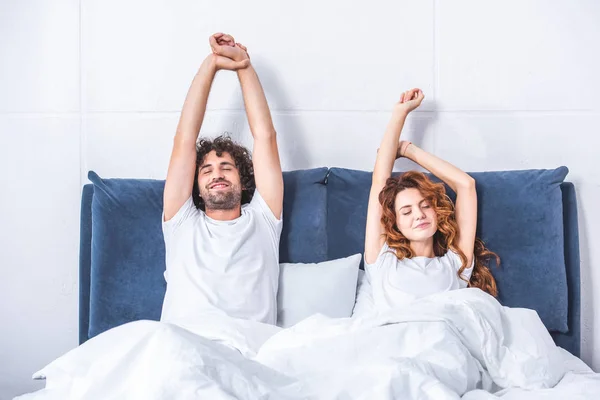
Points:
(222, 211)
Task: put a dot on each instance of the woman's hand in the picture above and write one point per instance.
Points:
(409, 100)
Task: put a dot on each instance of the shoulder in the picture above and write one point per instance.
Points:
(263, 216)
(452, 259)
(259, 204)
(186, 213)
(386, 256)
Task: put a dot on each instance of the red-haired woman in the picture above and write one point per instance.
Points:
(417, 242)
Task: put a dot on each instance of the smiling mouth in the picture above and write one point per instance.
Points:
(219, 186)
(423, 225)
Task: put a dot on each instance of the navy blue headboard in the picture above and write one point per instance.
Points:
(569, 340)
(85, 261)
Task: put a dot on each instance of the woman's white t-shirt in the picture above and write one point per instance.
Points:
(391, 283)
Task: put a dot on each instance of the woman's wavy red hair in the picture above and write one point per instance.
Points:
(446, 236)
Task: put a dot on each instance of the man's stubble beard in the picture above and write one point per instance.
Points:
(222, 200)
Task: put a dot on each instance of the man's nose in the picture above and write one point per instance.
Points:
(218, 175)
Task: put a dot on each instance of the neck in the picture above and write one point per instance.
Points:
(423, 249)
(224, 215)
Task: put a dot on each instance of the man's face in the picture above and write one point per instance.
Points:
(219, 182)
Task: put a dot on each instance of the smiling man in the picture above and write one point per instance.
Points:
(222, 210)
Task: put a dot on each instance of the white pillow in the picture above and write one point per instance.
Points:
(328, 288)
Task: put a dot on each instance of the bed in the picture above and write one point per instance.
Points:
(459, 344)
(529, 218)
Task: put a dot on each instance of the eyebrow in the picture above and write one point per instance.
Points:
(408, 205)
(221, 163)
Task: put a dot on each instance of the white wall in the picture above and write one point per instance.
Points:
(99, 85)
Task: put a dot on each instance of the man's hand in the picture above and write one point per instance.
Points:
(224, 46)
(220, 62)
(221, 39)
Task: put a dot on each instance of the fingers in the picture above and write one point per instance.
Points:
(244, 48)
(214, 43)
(418, 95)
(412, 94)
(227, 51)
(235, 65)
(213, 40)
(229, 64)
(405, 97)
(226, 39)
(241, 46)
(222, 36)
(219, 40)
(243, 64)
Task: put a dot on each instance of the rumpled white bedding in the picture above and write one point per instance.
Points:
(456, 344)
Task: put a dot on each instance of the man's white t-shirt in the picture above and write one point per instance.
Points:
(390, 283)
(229, 267)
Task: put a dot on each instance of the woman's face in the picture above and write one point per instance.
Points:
(415, 217)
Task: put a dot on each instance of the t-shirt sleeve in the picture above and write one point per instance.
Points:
(385, 255)
(184, 213)
(260, 205)
(455, 261)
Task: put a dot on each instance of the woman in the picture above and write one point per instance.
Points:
(417, 243)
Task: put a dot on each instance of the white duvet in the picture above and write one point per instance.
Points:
(447, 346)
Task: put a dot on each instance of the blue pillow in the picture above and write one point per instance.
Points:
(128, 252)
(520, 218)
(304, 235)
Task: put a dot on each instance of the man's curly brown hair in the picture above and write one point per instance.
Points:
(243, 162)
